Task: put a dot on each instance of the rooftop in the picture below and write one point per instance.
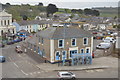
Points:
(61, 32)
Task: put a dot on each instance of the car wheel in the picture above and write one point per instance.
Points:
(61, 79)
(73, 78)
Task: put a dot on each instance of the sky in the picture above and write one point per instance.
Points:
(68, 3)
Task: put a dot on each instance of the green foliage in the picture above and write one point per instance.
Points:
(18, 11)
(116, 26)
(51, 8)
(91, 12)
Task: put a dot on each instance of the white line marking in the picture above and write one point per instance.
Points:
(24, 72)
(10, 58)
(19, 55)
(38, 72)
(16, 65)
(34, 72)
(38, 66)
(30, 73)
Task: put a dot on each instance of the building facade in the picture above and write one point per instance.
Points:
(30, 26)
(58, 43)
(6, 23)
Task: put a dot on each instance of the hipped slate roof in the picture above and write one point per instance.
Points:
(27, 22)
(61, 32)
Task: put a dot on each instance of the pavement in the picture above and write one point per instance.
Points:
(98, 63)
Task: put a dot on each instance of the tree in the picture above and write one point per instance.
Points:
(24, 17)
(91, 12)
(51, 8)
(87, 11)
(40, 4)
(73, 10)
(80, 11)
(96, 13)
(7, 5)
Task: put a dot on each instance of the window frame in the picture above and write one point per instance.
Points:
(86, 40)
(72, 42)
(62, 43)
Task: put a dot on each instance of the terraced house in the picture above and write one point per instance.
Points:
(58, 43)
(31, 26)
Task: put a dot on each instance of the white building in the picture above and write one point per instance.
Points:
(6, 23)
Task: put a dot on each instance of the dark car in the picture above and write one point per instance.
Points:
(2, 45)
(18, 49)
(17, 40)
(2, 59)
(10, 42)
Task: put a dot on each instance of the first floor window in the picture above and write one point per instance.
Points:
(61, 43)
(73, 41)
(85, 41)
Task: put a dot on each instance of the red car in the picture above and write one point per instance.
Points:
(18, 49)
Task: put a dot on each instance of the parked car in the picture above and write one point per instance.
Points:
(2, 45)
(2, 59)
(17, 40)
(18, 49)
(66, 75)
(103, 45)
(10, 42)
(114, 34)
(109, 39)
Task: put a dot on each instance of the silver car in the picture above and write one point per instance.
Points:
(66, 75)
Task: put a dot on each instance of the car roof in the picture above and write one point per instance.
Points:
(63, 72)
(18, 46)
(104, 43)
(1, 56)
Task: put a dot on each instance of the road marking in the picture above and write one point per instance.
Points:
(16, 65)
(38, 72)
(31, 74)
(19, 55)
(38, 66)
(34, 72)
(24, 72)
(89, 70)
(99, 70)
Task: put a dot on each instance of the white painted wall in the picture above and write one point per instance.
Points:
(52, 50)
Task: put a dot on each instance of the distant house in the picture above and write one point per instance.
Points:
(58, 43)
(6, 23)
(31, 26)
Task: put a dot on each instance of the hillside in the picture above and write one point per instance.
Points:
(108, 11)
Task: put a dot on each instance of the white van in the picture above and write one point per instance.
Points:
(109, 40)
(103, 45)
